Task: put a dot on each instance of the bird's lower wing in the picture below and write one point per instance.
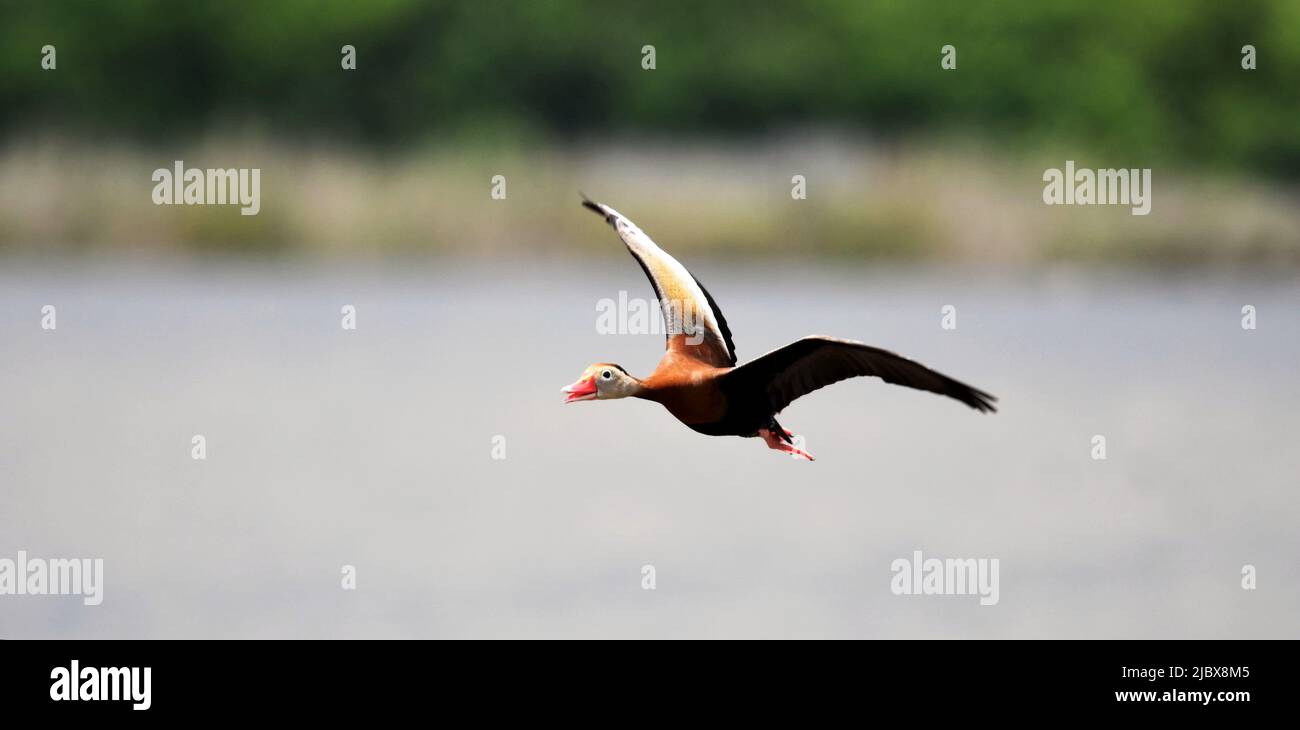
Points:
(803, 366)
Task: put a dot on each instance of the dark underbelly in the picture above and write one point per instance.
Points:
(730, 427)
(717, 413)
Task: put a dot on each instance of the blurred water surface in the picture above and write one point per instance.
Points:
(373, 447)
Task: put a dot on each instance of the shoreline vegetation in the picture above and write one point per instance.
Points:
(912, 201)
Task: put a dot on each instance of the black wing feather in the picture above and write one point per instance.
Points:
(722, 321)
(793, 371)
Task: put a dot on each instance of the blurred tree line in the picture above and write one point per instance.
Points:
(1134, 82)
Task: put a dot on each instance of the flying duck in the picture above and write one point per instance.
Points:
(698, 380)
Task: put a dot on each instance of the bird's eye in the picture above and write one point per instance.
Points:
(607, 375)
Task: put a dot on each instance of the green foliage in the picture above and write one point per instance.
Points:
(1133, 82)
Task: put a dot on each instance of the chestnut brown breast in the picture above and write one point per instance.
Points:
(688, 388)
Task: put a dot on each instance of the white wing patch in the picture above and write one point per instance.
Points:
(682, 301)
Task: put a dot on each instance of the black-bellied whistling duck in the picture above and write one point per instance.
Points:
(698, 380)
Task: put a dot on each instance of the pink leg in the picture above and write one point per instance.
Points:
(774, 442)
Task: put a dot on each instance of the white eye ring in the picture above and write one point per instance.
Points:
(607, 375)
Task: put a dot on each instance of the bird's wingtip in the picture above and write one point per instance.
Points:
(985, 402)
(597, 208)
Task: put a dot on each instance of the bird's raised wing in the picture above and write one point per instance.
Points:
(803, 366)
(692, 321)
